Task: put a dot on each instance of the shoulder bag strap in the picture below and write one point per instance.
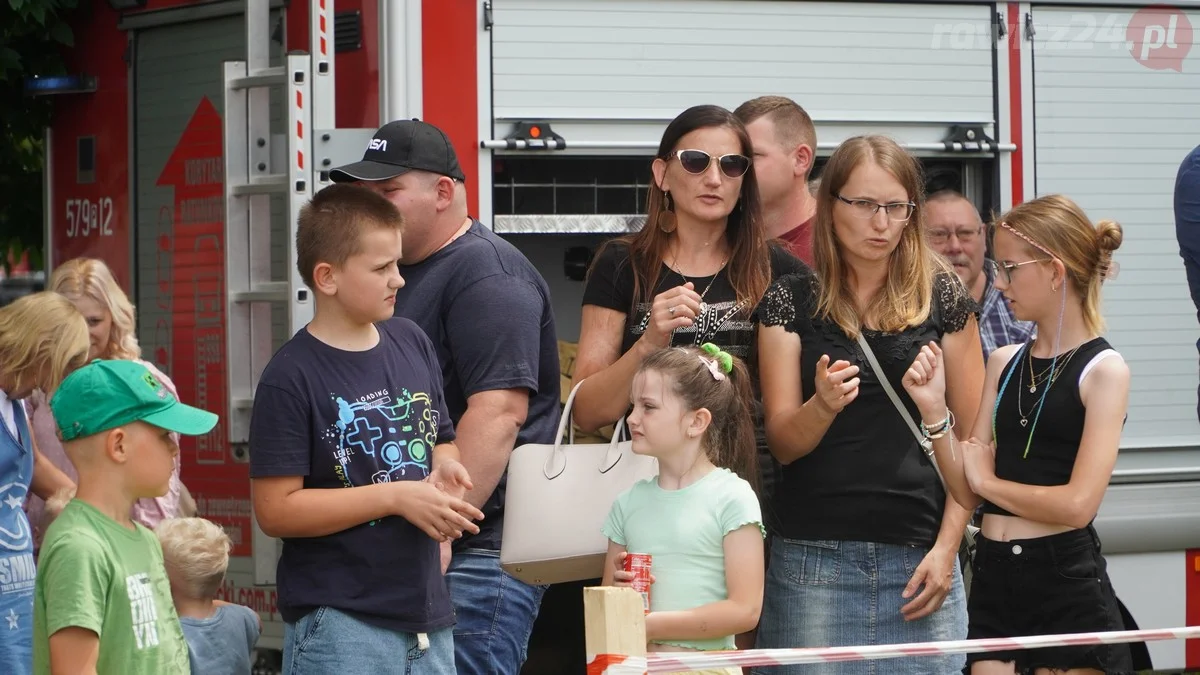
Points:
(967, 555)
(925, 443)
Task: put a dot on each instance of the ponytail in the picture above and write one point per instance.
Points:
(734, 447)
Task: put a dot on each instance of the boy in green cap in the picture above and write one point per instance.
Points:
(102, 603)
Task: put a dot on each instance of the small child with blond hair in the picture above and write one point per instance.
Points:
(220, 635)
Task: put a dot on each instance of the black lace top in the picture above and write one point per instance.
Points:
(867, 479)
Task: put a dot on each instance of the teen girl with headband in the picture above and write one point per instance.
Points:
(1043, 446)
(42, 339)
(698, 519)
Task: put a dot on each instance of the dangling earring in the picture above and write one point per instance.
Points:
(666, 216)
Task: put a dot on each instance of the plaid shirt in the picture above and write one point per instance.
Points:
(997, 325)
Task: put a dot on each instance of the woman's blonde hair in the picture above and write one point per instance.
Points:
(91, 278)
(1056, 225)
(42, 339)
(907, 294)
(197, 552)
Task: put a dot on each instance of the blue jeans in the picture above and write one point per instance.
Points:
(495, 614)
(848, 593)
(329, 641)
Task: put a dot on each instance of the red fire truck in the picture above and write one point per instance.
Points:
(201, 127)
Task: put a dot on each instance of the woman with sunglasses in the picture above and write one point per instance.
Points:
(1043, 447)
(867, 545)
(693, 274)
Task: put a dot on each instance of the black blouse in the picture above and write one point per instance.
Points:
(867, 479)
(725, 323)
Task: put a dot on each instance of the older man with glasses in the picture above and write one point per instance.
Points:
(954, 229)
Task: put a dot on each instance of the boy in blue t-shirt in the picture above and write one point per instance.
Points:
(351, 457)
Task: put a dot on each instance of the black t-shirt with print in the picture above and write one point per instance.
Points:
(867, 479)
(346, 419)
(725, 323)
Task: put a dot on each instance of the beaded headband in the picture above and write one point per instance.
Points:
(1105, 266)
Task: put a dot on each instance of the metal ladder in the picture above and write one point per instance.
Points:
(256, 169)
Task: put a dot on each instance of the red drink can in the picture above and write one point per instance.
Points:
(639, 565)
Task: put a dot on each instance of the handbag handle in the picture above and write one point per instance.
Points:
(925, 443)
(556, 463)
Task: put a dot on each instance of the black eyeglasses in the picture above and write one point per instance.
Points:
(698, 161)
(865, 208)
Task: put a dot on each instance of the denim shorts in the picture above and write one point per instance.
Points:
(328, 641)
(1046, 586)
(849, 593)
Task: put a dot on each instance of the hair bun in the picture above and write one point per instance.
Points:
(1109, 236)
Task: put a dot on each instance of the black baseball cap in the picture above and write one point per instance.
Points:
(399, 147)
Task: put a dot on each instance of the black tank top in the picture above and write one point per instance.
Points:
(1057, 431)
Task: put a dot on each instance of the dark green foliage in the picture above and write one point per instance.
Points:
(33, 34)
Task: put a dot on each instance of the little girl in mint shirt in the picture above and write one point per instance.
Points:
(700, 518)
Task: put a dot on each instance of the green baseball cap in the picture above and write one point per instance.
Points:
(107, 394)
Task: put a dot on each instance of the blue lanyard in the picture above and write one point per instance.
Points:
(1016, 361)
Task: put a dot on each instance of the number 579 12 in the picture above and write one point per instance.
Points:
(85, 217)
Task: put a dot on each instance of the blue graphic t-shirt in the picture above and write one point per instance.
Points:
(17, 577)
(347, 419)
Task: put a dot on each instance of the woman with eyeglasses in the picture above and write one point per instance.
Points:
(866, 551)
(1043, 447)
(693, 274)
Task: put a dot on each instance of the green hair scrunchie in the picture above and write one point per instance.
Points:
(722, 357)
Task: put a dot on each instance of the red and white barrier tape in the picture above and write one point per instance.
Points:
(681, 661)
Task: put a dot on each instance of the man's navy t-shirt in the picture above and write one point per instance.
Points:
(347, 419)
(488, 312)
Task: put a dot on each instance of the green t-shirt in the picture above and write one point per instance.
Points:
(684, 530)
(94, 573)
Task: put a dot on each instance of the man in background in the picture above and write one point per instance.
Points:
(954, 229)
(785, 147)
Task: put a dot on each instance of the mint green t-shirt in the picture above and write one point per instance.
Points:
(94, 573)
(684, 530)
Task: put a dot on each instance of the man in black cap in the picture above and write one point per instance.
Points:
(488, 312)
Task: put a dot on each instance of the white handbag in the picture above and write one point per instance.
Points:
(557, 499)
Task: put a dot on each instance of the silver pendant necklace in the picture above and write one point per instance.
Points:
(677, 270)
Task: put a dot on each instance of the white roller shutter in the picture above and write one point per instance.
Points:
(1111, 133)
(617, 70)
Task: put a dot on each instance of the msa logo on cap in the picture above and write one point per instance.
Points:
(377, 144)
